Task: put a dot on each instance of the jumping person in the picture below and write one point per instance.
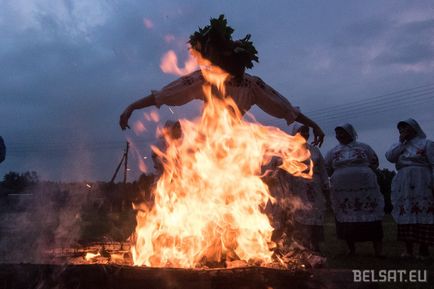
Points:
(214, 43)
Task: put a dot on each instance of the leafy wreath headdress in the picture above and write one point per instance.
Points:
(214, 42)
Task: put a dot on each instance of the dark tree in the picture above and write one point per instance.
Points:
(18, 182)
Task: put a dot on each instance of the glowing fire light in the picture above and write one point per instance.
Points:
(169, 64)
(90, 256)
(154, 116)
(169, 38)
(209, 199)
(148, 23)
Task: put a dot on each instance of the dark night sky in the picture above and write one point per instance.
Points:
(68, 69)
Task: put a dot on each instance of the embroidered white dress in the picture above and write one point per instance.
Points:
(248, 91)
(311, 191)
(354, 192)
(412, 193)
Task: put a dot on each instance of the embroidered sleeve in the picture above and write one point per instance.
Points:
(181, 91)
(372, 157)
(392, 155)
(272, 102)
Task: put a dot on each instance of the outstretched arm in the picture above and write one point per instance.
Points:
(317, 131)
(178, 92)
(141, 103)
(273, 103)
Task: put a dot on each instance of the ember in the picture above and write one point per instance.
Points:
(94, 253)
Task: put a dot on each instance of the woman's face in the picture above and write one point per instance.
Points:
(406, 132)
(342, 136)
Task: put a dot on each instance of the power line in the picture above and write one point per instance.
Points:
(374, 111)
(68, 148)
(365, 101)
(378, 103)
(377, 107)
(413, 96)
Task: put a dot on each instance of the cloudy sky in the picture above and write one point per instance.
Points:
(68, 68)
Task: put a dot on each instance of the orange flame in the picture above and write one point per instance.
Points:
(139, 127)
(169, 38)
(209, 200)
(169, 64)
(148, 23)
(154, 116)
(90, 256)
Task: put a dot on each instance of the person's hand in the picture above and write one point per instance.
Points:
(318, 136)
(402, 138)
(125, 116)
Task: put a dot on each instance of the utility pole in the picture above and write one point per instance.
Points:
(124, 160)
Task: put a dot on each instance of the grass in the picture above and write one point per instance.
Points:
(335, 251)
(341, 265)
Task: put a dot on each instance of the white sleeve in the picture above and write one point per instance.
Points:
(392, 155)
(272, 102)
(372, 157)
(181, 91)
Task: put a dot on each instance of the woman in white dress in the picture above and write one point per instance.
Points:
(280, 211)
(309, 218)
(214, 43)
(412, 187)
(355, 196)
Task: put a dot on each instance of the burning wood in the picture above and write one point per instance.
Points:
(292, 257)
(95, 253)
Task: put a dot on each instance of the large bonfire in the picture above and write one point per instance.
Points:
(210, 199)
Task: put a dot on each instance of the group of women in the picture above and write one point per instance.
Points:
(346, 176)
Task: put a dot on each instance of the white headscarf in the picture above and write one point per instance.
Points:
(349, 129)
(414, 125)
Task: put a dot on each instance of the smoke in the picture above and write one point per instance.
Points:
(43, 217)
